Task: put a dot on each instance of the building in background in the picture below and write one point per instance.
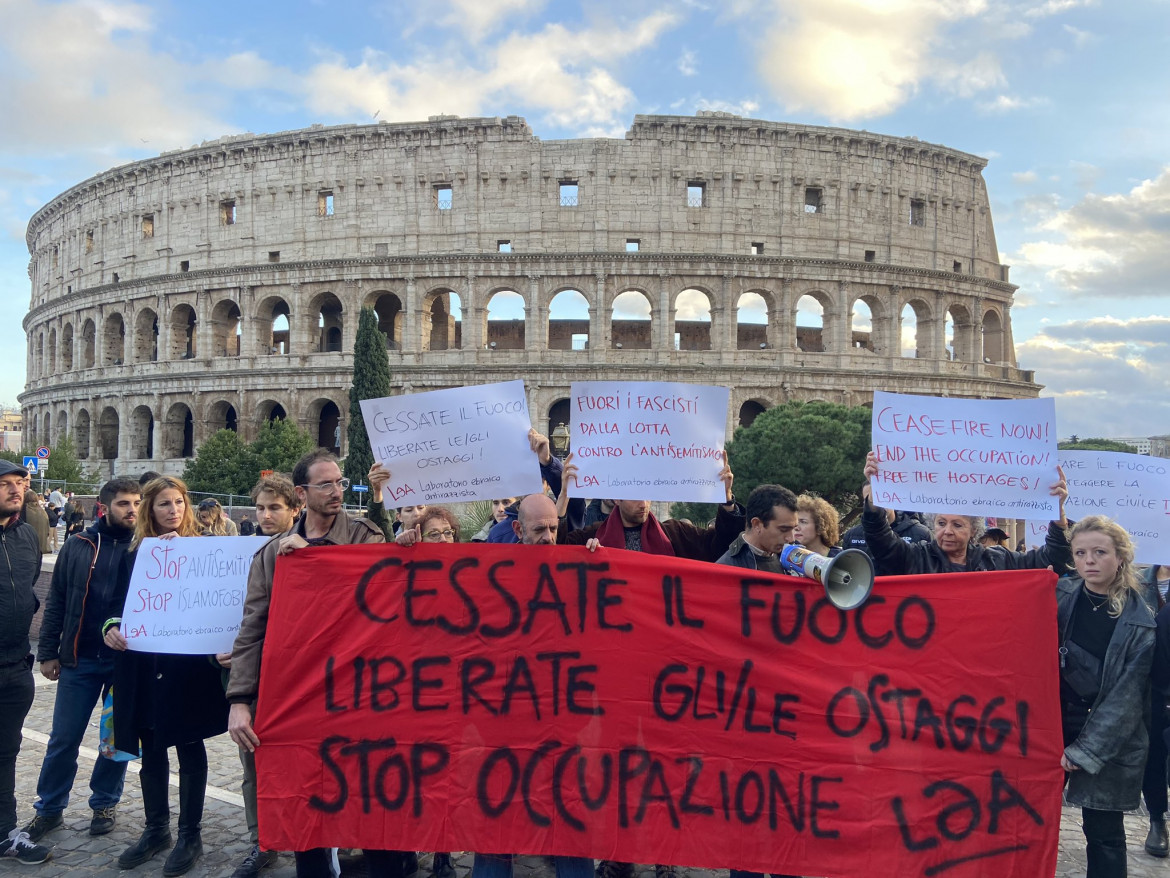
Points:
(218, 286)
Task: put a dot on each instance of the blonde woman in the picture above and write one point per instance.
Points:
(1106, 651)
(214, 521)
(163, 701)
(817, 525)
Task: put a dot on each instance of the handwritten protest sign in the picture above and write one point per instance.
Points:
(546, 700)
(975, 456)
(452, 446)
(1132, 489)
(187, 594)
(635, 440)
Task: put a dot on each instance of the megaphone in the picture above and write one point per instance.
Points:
(847, 578)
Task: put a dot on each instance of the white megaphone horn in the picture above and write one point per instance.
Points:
(847, 577)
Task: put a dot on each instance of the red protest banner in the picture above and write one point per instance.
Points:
(545, 700)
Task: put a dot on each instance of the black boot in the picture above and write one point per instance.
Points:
(189, 845)
(154, 781)
(1158, 841)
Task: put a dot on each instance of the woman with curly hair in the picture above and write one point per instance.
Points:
(817, 525)
(1106, 652)
(163, 701)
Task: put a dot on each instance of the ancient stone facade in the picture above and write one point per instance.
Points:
(219, 286)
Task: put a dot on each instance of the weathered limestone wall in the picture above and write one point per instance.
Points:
(219, 285)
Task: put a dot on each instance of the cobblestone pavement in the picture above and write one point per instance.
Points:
(75, 853)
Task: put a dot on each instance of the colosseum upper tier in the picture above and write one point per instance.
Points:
(219, 286)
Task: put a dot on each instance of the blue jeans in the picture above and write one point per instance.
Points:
(78, 690)
(500, 866)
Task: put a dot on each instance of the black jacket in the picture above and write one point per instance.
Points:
(69, 604)
(176, 698)
(20, 565)
(892, 557)
(906, 527)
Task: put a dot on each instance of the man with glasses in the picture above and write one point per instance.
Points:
(319, 486)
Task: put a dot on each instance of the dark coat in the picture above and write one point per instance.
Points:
(688, 541)
(893, 557)
(20, 565)
(1111, 748)
(69, 593)
(907, 528)
(178, 698)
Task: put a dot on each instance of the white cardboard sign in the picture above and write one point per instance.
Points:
(642, 440)
(993, 457)
(1132, 489)
(453, 446)
(187, 594)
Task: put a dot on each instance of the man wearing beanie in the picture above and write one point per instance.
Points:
(20, 565)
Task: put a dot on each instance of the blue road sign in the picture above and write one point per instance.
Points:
(359, 489)
(30, 464)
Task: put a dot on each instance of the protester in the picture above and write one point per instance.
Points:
(956, 546)
(407, 516)
(1106, 651)
(770, 519)
(905, 526)
(536, 525)
(277, 506)
(320, 487)
(163, 701)
(817, 525)
(214, 521)
(636, 528)
(72, 652)
(438, 525)
(499, 514)
(994, 536)
(1155, 581)
(18, 605)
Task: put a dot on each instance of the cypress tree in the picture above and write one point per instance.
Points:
(371, 380)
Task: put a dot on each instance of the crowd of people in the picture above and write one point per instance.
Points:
(1114, 638)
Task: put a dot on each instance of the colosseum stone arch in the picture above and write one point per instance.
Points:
(219, 286)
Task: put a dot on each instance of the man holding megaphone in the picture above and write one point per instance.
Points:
(769, 520)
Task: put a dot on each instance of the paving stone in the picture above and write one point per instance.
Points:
(77, 854)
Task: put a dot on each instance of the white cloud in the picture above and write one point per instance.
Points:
(851, 59)
(478, 18)
(574, 89)
(103, 86)
(746, 107)
(1109, 246)
(1056, 7)
(1080, 38)
(1005, 103)
(687, 65)
(1110, 377)
(1024, 177)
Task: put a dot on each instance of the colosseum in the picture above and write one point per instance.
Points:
(218, 286)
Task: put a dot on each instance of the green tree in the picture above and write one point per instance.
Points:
(1076, 444)
(278, 446)
(215, 468)
(371, 380)
(64, 465)
(809, 447)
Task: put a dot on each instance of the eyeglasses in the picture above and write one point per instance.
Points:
(434, 536)
(340, 485)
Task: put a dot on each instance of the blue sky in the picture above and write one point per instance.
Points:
(1069, 99)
